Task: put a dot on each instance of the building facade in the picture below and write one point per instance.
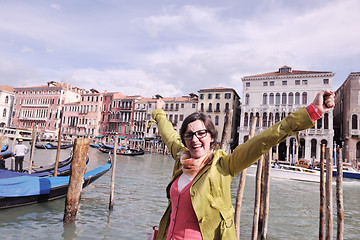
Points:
(216, 102)
(41, 105)
(272, 96)
(7, 94)
(346, 117)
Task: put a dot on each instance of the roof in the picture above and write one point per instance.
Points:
(287, 71)
(7, 88)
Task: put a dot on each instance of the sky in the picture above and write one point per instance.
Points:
(173, 47)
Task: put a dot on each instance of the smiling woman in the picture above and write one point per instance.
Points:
(199, 192)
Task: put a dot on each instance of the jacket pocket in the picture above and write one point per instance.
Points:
(227, 225)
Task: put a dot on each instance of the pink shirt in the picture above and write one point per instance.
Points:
(183, 223)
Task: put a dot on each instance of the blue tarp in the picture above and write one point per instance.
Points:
(28, 186)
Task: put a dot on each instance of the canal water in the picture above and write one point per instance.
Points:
(140, 200)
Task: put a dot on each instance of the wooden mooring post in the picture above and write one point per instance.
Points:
(322, 195)
(255, 229)
(58, 147)
(265, 196)
(77, 171)
(226, 134)
(328, 190)
(113, 169)
(32, 149)
(339, 196)
(241, 187)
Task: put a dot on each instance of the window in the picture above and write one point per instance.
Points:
(284, 83)
(265, 84)
(304, 82)
(264, 99)
(247, 84)
(7, 99)
(181, 117)
(354, 121)
(297, 82)
(272, 83)
(277, 98)
(216, 120)
(246, 119)
(4, 112)
(283, 100)
(227, 95)
(271, 98)
(201, 96)
(209, 96)
(304, 98)
(291, 98)
(247, 99)
(210, 107)
(193, 105)
(297, 98)
(326, 121)
(217, 107)
(217, 96)
(202, 107)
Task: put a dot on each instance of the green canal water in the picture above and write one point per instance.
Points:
(140, 200)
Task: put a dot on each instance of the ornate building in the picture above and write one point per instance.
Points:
(272, 96)
(6, 104)
(346, 117)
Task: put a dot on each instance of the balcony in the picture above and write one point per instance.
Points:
(82, 125)
(36, 105)
(33, 118)
(355, 132)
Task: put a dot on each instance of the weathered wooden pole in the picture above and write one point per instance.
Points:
(328, 190)
(241, 187)
(254, 235)
(58, 146)
(266, 196)
(339, 196)
(226, 134)
(112, 186)
(322, 195)
(77, 171)
(2, 136)
(32, 149)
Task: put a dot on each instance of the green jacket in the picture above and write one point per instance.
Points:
(211, 189)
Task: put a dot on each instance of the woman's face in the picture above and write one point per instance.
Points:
(199, 143)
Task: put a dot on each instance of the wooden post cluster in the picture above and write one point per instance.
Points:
(241, 187)
(322, 194)
(328, 191)
(77, 172)
(32, 149)
(339, 196)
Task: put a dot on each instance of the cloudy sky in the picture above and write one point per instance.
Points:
(173, 47)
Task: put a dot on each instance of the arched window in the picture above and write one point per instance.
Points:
(202, 107)
(246, 120)
(247, 99)
(271, 98)
(319, 123)
(271, 120)
(297, 98)
(216, 120)
(264, 123)
(304, 98)
(358, 151)
(226, 106)
(326, 121)
(277, 117)
(277, 98)
(217, 107)
(291, 98)
(354, 121)
(257, 119)
(264, 99)
(313, 148)
(6, 99)
(210, 107)
(4, 112)
(283, 100)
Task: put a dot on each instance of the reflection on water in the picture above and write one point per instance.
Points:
(140, 200)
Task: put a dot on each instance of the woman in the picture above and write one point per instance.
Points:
(199, 192)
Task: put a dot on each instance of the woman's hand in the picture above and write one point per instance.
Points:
(324, 101)
(159, 103)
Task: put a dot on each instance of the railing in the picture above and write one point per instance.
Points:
(35, 105)
(33, 118)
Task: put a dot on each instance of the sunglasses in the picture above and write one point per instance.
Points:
(199, 134)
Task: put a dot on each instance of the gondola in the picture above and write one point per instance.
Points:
(131, 152)
(26, 190)
(52, 146)
(109, 148)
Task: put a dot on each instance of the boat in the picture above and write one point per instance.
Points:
(131, 152)
(290, 172)
(4, 148)
(106, 148)
(42, 171)
(26, 190)
(52, 146)
(95, 145)
(348, 172)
